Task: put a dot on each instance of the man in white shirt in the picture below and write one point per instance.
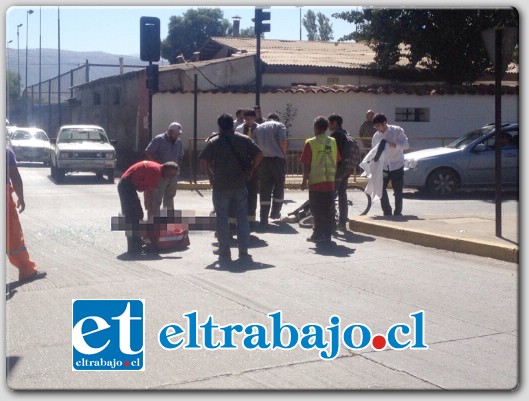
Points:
(396, 142)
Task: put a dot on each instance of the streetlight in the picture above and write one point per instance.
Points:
(7, 82)
(18, 57)
(300, 7)
(28, 13)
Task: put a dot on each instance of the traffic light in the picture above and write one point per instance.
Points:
(149, 39)
(261, 16)
(152, 77)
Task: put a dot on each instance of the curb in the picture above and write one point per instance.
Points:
(446, 242)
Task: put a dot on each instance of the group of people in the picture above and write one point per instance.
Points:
(326, 176)
(245, 160)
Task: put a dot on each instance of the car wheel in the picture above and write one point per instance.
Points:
(443, 182)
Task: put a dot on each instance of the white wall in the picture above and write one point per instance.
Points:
(450, 115)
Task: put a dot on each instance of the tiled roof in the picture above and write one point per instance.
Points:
(299, 53)
(417, 90)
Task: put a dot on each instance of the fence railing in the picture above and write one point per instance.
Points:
(295, 147)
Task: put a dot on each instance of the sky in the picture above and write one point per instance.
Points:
(116, 29)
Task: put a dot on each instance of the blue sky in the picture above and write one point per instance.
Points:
(115, 29)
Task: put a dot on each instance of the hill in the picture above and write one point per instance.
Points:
(69, 60)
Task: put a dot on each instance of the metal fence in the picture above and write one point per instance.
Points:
(41, 103)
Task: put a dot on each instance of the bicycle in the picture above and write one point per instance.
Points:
(359, 204)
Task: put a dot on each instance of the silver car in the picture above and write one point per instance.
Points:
(30, 144)
(82, 148)
(467, 162)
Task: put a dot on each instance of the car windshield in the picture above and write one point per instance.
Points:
(465, 140)
(27, 135)
(82, 135)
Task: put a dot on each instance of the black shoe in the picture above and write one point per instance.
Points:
(244, 256)
(35, 276)
(317, 238)
(275, 216)
(222, 253)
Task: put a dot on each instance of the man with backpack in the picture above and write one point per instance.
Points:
(350, 157)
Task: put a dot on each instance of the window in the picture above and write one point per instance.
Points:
(97, 99)
(412, 114)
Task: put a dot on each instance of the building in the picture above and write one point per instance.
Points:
(321, 79)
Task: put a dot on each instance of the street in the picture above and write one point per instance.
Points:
(470, 303)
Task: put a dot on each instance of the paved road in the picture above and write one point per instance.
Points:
(470, 303)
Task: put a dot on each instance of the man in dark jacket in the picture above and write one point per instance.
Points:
(342, 175)
(230, 160)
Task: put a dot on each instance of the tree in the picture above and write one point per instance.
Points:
(320, 30)
(309, 22)
(247, 32)
(13, 82)
(190, 31)
(445, 41)
(324, 28)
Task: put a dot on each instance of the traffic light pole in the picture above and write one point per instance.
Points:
(260, 28)
(258, 72)
(150, 101)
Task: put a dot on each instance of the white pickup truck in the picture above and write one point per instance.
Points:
(82, 148)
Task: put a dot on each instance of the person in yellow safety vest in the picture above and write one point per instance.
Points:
(320, 157)
(15, 247)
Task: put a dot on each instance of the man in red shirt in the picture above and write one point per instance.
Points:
(143, 176)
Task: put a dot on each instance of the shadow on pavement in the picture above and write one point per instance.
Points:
(238, 265)
(127, 257)
(11, 287)
(353, 238)
(397, 218)
(332, 249)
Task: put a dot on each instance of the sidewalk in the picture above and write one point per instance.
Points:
(474, 234)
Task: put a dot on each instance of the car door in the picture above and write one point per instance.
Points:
(482, 161)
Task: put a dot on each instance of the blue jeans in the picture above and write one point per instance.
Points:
(221, 201)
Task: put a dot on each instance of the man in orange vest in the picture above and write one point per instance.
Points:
(16, 248)
(320, 157)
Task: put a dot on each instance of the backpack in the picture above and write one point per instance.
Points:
(351, 156)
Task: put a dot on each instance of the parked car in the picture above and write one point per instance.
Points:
(30, 144)
(82, 148)
(467, 162)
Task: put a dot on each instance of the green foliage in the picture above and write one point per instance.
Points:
(288, 116)
(324, 28)
(446, 41)
(318, 26)
(13, 82)
(247, 32)
(190, 31)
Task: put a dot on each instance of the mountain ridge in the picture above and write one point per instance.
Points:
(70, 60)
